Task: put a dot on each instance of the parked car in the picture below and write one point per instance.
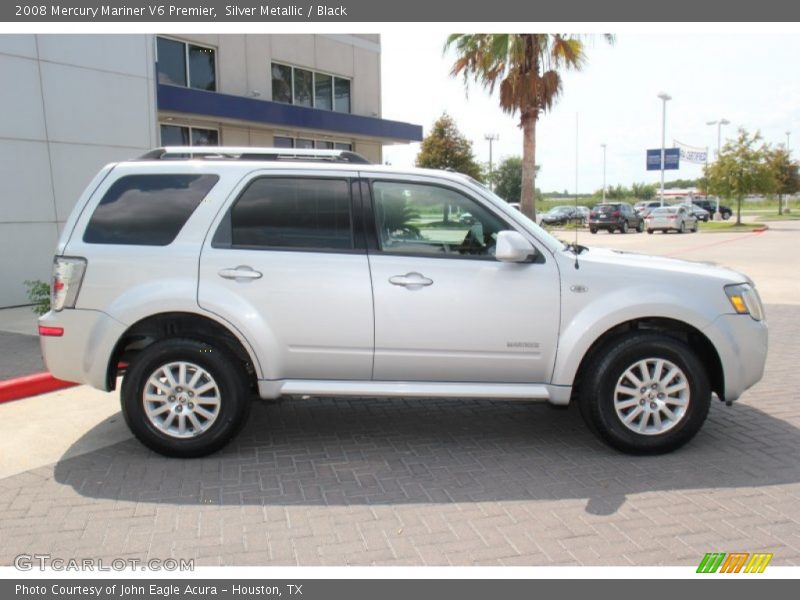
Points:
(613, 216)
(559, 215)
(584, 213)
(671, 218)
(644, 208)
(701, 214)
(711, 207)
(207, 276)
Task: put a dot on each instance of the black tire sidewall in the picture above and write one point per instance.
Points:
(597, 403)
(225, 370)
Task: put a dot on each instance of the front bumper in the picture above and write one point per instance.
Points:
(82, 353)
(741, 343)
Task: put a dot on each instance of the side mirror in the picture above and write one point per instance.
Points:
(512, 247)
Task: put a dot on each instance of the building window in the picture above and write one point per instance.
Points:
(187, 65)
(280, 141)
(182, 135)
(293, 85)
(341, 102)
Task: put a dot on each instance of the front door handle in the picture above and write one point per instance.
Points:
(412, 281)
(240, 272)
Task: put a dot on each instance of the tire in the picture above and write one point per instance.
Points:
(604, 409)
(650, 231)
(624, 228)
(228, 400)
(640, 227)
(682, 228)
(694, 229)
(726, 216)
(592, 229)
(610, 230)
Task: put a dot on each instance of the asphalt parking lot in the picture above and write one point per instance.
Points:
(426, 482)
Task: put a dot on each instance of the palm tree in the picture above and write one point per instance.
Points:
(526, 68)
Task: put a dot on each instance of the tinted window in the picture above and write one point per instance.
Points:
(202, 71)
(174, 135)
(425, 219)
(282, 142)
(323, 91)
(147, 210)
(293, 213)
(281, 83)
(205, 137)
(303, 91)
(341, 100)
(171, 62)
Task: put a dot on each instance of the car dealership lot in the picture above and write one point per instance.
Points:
(420, 482)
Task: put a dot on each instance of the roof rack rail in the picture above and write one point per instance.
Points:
(248, 153)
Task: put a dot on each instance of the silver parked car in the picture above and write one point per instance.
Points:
(670, 218)
(206, 276)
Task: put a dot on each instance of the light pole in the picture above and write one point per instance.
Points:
(603, 146)
(664, 97)
(719, 123)
(788, 152)
(491, 137)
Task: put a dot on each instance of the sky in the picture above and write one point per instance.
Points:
(749, 79)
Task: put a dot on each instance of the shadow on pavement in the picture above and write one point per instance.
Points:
(346, 452)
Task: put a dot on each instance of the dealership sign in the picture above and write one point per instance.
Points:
(692, 154)
(672, 159)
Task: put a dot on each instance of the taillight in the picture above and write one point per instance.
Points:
(616, 213)
(67, 278)
(672, 217)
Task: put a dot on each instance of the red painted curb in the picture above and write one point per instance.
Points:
(760, 229)
(31, 385)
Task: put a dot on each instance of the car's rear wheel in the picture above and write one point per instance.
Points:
(726, 216)
(624, 228)
(650, 231)
(682, 228)
(610, 230)
(592, 229)
(184, 397)
(640, 227)
(648, 393)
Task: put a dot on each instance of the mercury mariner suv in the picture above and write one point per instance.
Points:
(205, 277)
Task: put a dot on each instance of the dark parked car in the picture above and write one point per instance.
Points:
(711, 207)
(560, 215)
(614, 216)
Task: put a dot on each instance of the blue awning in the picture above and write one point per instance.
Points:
(227, 106)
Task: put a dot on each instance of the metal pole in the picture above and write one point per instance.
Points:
(491, 137)
(664, 97)
(604, 172)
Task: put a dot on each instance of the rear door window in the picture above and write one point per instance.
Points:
(147, 210)
(290, 213)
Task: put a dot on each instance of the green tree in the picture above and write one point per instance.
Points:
(742, 168)
(445, 147)
(786, 174)
(643, 191)
(507, 179)
(526, 69)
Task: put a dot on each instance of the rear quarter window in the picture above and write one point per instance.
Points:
(147, 210)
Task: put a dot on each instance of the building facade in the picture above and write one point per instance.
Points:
(77, 102)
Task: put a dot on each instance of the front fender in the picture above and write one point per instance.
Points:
(583, 326)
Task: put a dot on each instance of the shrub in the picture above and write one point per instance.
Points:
(39, 295)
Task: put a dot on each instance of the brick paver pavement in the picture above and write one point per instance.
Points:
(433, 482)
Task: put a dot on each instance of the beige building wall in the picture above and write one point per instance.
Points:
(244, 69)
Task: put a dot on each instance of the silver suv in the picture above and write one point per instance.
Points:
(205, 277)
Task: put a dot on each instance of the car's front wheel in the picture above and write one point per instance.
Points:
(640, 227)
(184, 397)
(624, 228)
(647, 393)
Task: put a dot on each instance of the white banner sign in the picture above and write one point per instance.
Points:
(690, 153)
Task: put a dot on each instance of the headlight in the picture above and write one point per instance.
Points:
(745, 300)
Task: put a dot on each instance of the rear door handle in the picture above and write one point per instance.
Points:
(412, 281)
(240, 272)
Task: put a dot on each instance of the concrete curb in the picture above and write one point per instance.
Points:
(31, 385)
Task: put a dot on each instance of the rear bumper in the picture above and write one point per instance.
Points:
(741, 343)
(82, 353)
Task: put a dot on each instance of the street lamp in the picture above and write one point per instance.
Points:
(788, 152)
(491, 137)
(719, 123)
(664, 97)
(603, 146)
